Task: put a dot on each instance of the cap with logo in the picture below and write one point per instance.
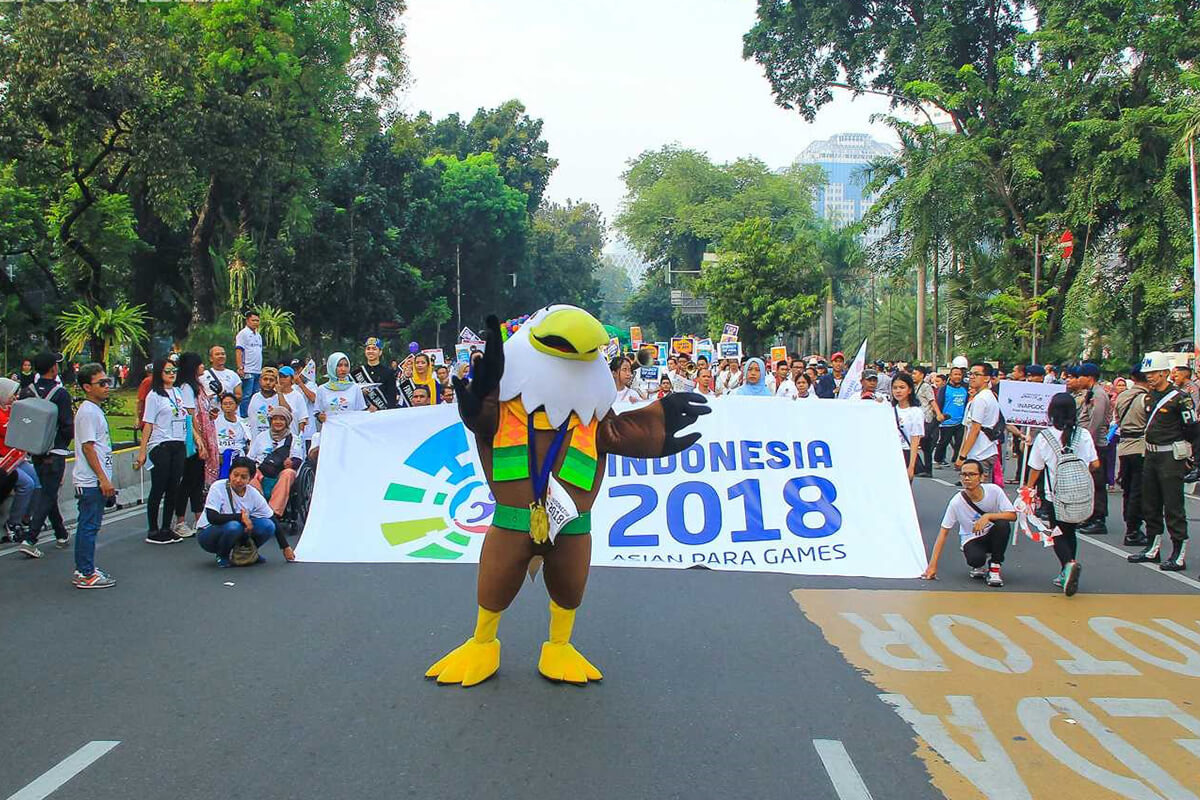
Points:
(43, 361)
(1156, 361)
(870, 374)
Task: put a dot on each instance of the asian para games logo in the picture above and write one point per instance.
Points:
(440, 471)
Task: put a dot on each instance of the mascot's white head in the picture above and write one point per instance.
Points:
(556, 361)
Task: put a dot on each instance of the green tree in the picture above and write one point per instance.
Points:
(101, 330)
(563, 256)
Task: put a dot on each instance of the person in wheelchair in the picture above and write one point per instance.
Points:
(234, 511)
(278, 454)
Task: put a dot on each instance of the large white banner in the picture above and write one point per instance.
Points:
(813, 488)
(1026, 402)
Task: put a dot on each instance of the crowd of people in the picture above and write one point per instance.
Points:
(224, 444)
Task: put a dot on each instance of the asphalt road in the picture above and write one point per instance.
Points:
(305, 680)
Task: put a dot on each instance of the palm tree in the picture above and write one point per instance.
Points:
(102, 329)
(277, 327)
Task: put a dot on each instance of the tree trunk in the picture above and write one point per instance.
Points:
(204, 295)
(921, 269)
(934, 339)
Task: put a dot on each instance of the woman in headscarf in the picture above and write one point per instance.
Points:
(424, 375)
(340, 394)
(754, 384)
(278, 434)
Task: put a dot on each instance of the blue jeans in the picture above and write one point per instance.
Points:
(220, 539)
(90, 502)
(250, 385)
(27, 484)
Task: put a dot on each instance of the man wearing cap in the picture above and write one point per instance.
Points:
(826, 385)
(376, 371)
(1131, 452)
(50, 467)
(870, 388)
(1094, 416)
(1171, 434)
(1181, 377)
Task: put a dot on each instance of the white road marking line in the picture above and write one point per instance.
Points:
(1175, 576)
(63, 771)
(841, 770)
(118, 516)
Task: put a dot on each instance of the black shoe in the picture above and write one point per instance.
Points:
(1136, 539)
(1176, 562)
(1093, 528)
(162, 537)
(1149, 555)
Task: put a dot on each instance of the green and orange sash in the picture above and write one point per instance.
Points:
(510, 453)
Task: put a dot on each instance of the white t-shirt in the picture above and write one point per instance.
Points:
(878, 397)
(1042, 457)
(189, 397)
(911, 422)
(257, 410)
(231, 435)
(332, 402)
(252, 501)
(786, 388)
(250, 343)
(228, 379)
(261, 446)
(960, 514)
(298, 403)
(168, 416)
(628, 395)
(985, 410)
(91, 426)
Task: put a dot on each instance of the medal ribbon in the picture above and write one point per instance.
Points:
(541, 477)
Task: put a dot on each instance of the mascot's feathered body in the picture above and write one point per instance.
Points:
(539, 406)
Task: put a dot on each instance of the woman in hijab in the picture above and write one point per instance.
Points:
(340, 394)
(754, 384)
(278, 434)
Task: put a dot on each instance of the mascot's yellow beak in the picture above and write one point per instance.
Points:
(570, 333)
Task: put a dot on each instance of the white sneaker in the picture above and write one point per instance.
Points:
(27, 549)
(993, 577)
(978, 572)
(183, 530)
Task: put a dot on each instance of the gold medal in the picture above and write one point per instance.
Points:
(539, 523)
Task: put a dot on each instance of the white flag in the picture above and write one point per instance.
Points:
(853, 381)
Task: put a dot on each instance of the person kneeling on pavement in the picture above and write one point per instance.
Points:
(278, 454)
(236, 511)
(984, 515)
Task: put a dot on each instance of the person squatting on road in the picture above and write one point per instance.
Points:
(984, 516)
(236, 510)
(1054, 448)
(1171, 434)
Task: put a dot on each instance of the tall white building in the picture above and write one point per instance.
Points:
(843, 157)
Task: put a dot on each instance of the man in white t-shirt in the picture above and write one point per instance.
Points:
(982, 412)
(92, 475)
(218, 371)
(784, 387)
(249, 358)
(983, 515)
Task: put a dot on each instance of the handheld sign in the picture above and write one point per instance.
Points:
(635, 334)
(436, 357)
(662, 353)
(614, 348)
(648, 374)
(462, 353)
(730, 349)
(468, 336)
(730, 330)
(683, 344)
(1024, 403)
(778, 354)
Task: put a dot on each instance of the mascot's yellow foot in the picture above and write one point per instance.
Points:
(469, 663)
(562, 662)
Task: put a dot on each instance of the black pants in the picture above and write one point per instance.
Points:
(168, 459)
(1066, 544)
(1131, 491)
(1162, 495)
(993, 544)
(928, 442)
(946, 435)
(1100, 496)
(50, 470)
(191, 487)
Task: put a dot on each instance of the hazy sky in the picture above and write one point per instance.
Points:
(612, 78)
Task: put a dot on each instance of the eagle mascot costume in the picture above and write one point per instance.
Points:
(540, 407)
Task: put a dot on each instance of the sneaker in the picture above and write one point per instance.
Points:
(1070, 575)
(162, 537)
(29, 550)
(61, 544)
(993, 578)
(978, 573)
(95, 570)
(1058, 581)
(223, 562)
(97, 580)
(183, 530)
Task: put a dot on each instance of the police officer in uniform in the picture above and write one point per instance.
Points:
(1171, 431)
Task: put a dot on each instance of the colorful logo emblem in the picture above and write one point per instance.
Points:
(440, 471)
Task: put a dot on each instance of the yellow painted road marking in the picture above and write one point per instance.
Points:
(1033, 695)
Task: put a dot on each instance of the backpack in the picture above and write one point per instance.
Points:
(1073, 490)
(33, 423)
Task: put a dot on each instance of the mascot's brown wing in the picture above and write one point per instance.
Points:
(650, 432)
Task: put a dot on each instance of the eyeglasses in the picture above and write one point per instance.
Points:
(103, 383)
(970, 475)
(170, 371)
